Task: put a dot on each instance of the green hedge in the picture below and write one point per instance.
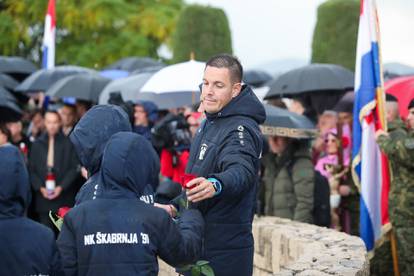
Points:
(335, 35)
(202, 30)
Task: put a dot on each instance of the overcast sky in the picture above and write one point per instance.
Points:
(266, 30)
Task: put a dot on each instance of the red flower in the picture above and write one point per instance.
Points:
(187, 177)
(62, 211)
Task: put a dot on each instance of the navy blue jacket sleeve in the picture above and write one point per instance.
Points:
(67, 248)
(181, 243)
(238, 162)
(55, 262)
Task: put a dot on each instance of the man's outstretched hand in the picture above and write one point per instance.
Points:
(199, 189)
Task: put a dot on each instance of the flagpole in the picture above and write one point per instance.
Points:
(394, 253)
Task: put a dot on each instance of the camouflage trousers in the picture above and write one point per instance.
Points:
(405, 244)
(382, 265)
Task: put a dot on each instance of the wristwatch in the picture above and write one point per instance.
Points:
(216, 185)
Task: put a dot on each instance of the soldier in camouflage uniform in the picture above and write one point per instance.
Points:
(398, 145)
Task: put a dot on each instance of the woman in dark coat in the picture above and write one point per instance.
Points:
(63, 163)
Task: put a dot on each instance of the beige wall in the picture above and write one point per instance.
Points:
(284, 247)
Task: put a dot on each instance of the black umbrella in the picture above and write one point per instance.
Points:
(16, 65)
(282, 122)
(134, 63)
(256, 78)
(129, 87)
(9, 110)
(317, 102)
(86, 87)
(45, 78)
(312, 78)
(150, 69)
(8, 82)
(346, 103)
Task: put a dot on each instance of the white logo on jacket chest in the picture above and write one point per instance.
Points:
(203, 150)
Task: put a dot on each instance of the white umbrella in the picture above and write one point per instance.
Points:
(180, 77)
(175, 85)
(261, 92)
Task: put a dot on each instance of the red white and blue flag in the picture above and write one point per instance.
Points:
(370, 166)
(48, 46)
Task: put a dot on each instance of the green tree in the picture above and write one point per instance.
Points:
(335, 35)
(90, 33)
(203, 31)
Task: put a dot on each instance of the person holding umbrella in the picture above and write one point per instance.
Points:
(36, 126)
(68, 114)
(145, 115)
(292, 188)
(289, 179)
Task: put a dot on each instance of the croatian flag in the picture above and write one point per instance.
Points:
(370, 166)
(48, 47)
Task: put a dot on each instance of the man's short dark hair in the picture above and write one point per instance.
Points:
(5, 131)
(230, 62)
(71, 107)
(411, 104)
(52, 111)
(390, 98)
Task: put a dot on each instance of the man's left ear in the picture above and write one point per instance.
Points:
(236, 90)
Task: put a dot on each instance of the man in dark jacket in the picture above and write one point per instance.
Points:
(53, 153)
(26, 247)
(225, 156)
(89, 138)
(117, 234)
(145, 116)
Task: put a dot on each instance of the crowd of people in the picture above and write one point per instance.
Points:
(122, 170)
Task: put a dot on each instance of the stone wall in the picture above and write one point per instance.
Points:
(284, 247)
